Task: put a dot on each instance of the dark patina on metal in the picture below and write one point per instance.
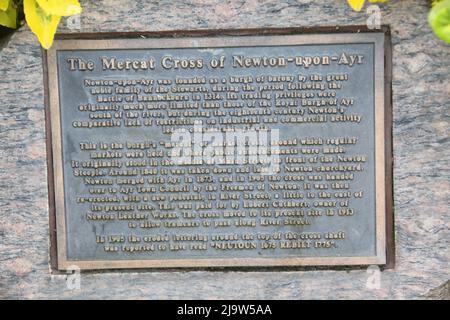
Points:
(103, 113)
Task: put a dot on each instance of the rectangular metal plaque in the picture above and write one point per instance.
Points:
(219, 150)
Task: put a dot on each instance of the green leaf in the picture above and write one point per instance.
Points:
(439, 19)
(63, 8)
(8, 17)
(42, 24)
(356, 4)
(4, 4)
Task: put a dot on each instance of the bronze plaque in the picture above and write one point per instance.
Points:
(219, 149)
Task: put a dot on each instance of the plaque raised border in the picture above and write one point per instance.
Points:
(215, 38)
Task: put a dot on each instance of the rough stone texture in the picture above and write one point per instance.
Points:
(440, 293)
(421, 94)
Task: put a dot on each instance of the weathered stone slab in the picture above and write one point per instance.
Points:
(421, 159)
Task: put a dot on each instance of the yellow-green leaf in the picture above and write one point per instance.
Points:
(439, 18)
(356, 4)
(435, 2)
(60, 7)
(8, 17)
(4, 4)
(42, 24)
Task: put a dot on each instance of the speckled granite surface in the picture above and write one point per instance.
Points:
(421, 150)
